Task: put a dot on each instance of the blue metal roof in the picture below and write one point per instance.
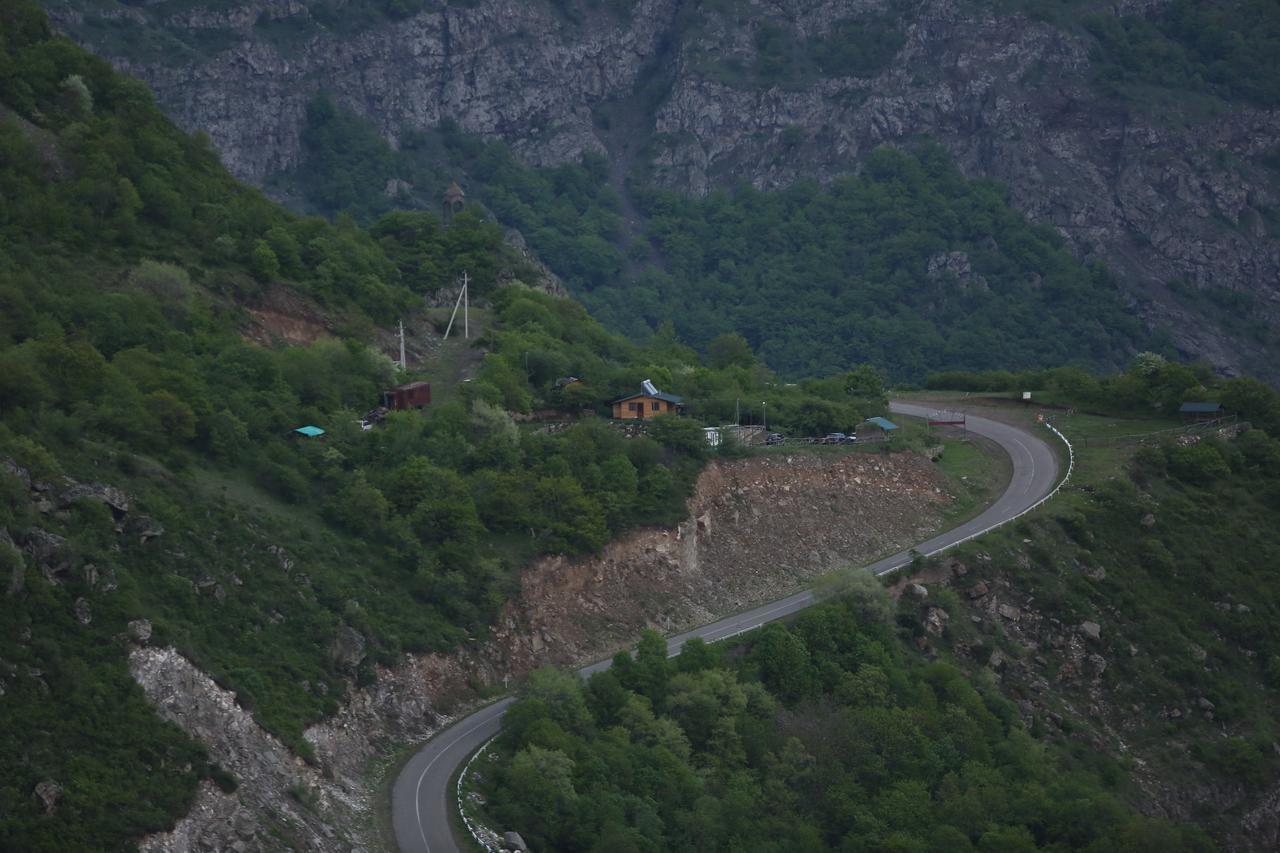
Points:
(885, 425)
(1200, 408)
(310, 431)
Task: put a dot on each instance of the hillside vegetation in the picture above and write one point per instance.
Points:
(149, 469)
(1131, 621)
(826, 735)
(907, 266)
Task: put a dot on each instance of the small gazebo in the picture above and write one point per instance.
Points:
(875, 429)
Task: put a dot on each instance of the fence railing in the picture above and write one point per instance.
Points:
(1071, 462)
(1157, 435)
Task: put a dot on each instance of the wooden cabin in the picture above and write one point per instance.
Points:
(1197, 412)
(411, 395)
(648, 402)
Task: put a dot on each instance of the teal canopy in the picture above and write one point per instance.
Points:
(885, 425)
(309, 431)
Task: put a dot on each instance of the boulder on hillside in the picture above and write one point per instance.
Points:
(348, 647)
(117, 500)
(140, 630)
(513, 841)
(145, 528)
(1092, 630)
(49, 794)
(935, 621)
(51, 553)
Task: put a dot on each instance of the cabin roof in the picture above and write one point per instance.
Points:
(670, 398)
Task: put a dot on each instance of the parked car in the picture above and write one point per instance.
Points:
(774, 438)
(835, 438)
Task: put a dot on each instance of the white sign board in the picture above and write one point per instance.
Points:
(1026, 395)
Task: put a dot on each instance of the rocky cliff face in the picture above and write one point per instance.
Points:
(757, 529)
(1163, 197)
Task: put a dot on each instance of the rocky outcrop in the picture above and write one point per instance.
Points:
(757, 528)
(1160, 197)
(49, 794)
(279, 796)
(111, 497)
(1068, 679)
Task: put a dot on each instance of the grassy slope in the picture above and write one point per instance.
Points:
(1158, 604)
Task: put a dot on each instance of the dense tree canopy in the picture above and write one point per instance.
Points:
(130, 268)
(823, 736)
(907, 266)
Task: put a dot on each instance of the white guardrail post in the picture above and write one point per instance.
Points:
(471, 827)
(1071, 464)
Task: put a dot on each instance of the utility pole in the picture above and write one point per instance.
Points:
(737, 412)
(464, 300)
(764, 415)
(403, 364)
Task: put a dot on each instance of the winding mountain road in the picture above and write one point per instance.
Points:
(422, 799)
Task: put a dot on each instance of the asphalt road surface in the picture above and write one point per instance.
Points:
(423, 799)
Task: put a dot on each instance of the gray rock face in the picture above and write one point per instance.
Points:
(112, 497)
(271, 779)
(49, 794)
(145, 528)
(1159, 197)
(955, 266)
(935, 621)
(140, 630)
(51, 552)
(348, 647)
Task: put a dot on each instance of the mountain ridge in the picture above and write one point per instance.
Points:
(1171, 188)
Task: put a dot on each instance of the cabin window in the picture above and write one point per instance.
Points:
(631, 407)
(657, 407)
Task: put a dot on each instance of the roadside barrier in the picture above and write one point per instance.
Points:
(1071, 464)
(471, 827)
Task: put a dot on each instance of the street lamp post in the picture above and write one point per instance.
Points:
(764, 415)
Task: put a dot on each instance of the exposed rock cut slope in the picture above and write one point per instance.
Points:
(757, 528)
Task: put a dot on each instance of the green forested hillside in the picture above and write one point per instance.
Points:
(1226, 48)
(907, 267)
(148, 468)
(1135, 634)
(826, 735)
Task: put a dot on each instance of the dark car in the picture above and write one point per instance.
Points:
(774, 438)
